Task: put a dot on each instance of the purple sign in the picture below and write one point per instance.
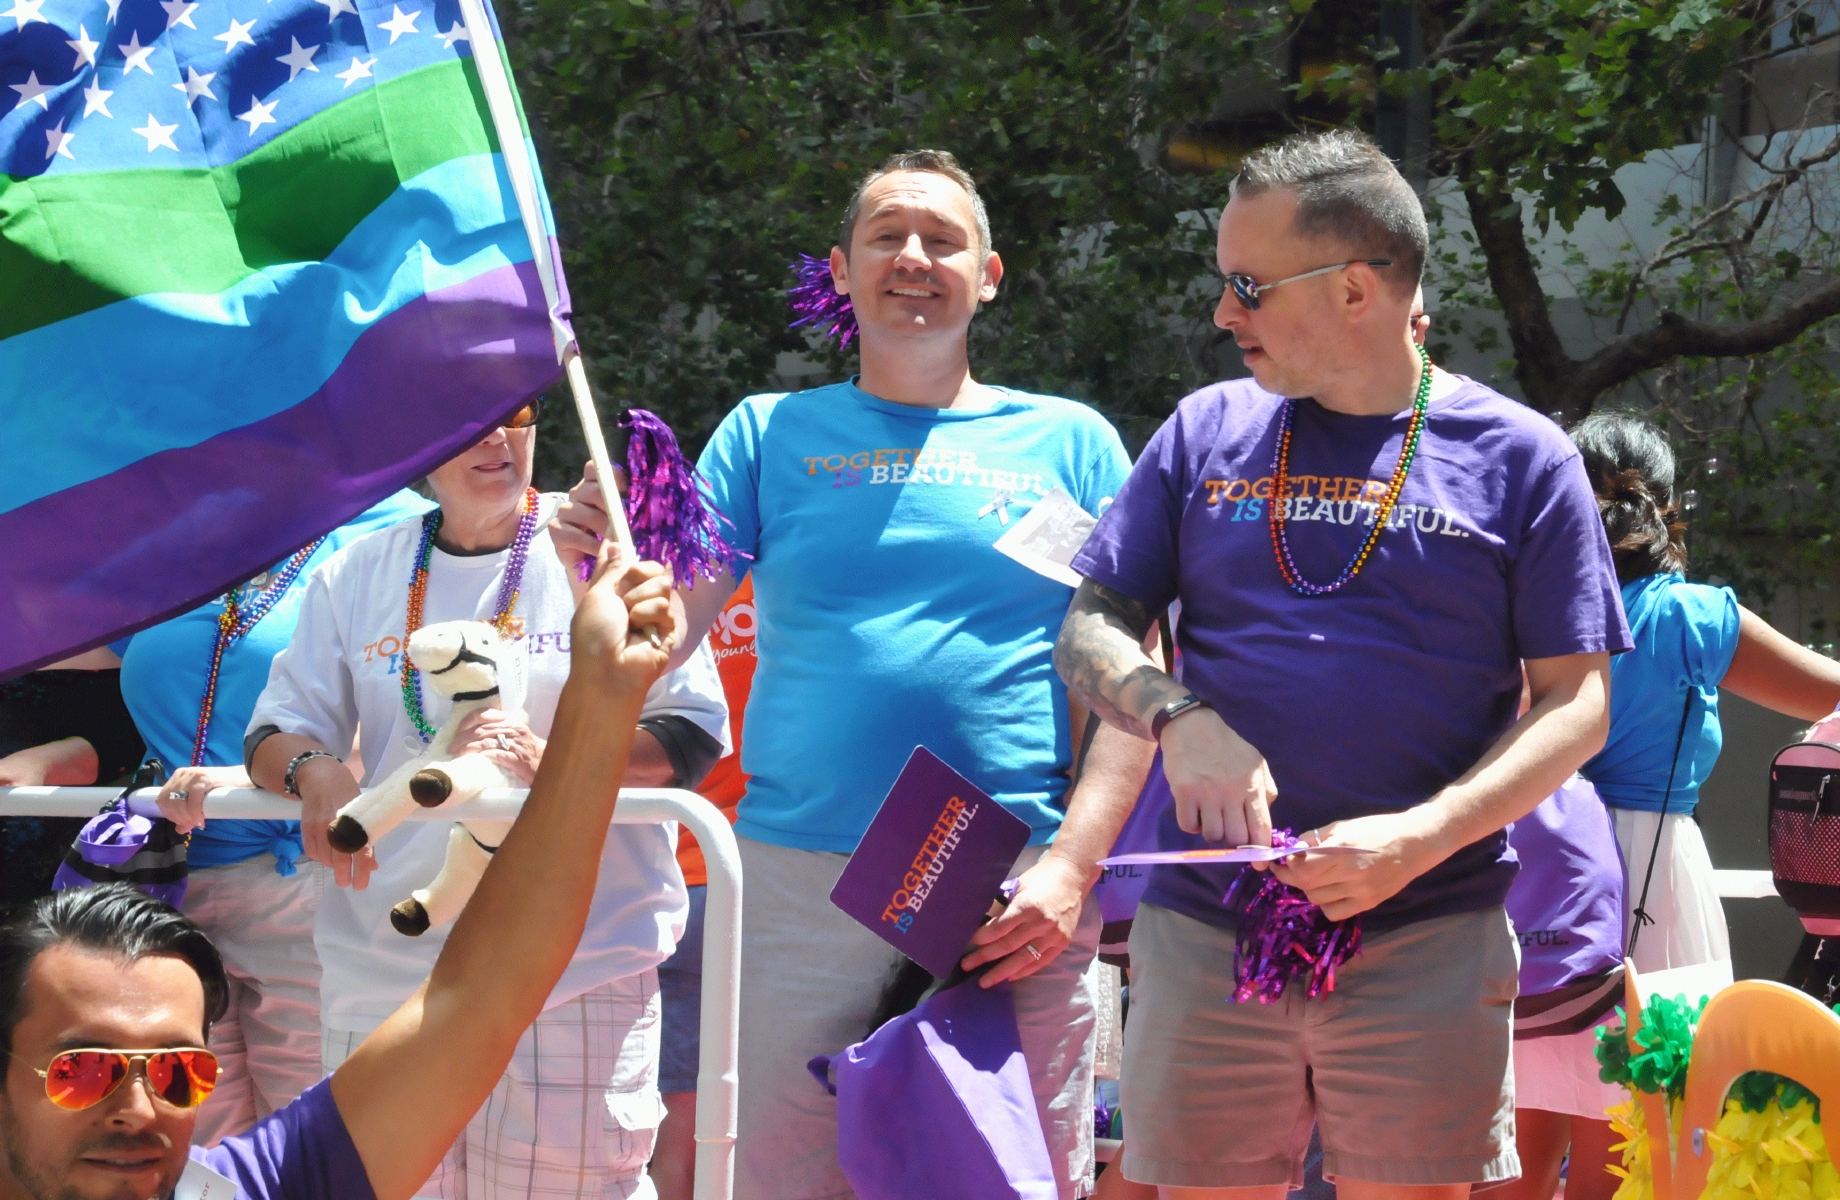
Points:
(925, 873)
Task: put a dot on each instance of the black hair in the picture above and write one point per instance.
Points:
(1632, 471)
(1348, 190)
(113, 918)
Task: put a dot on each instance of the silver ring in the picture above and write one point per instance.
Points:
(175, 797)
(504, 743)
(1032, 950)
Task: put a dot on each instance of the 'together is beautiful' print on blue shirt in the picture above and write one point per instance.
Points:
(887, 620)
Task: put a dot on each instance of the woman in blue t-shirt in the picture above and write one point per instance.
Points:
(191, 684)
(1691, 640)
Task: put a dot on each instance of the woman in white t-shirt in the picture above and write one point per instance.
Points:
(577, 1110)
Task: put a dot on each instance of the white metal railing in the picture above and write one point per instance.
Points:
(716, 1097)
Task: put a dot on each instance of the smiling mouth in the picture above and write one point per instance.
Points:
(916, 293)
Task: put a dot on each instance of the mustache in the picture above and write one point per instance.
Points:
(116, 1142)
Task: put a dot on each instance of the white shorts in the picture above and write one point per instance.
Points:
(575, 1114)
(810, 980)
(1683, 897)
(1559, 1075)
(267, 1043)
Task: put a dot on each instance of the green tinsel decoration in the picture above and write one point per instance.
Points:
(1666, 1045)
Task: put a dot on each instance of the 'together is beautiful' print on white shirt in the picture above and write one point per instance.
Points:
(342, 676)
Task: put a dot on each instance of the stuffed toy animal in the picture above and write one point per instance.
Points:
(459, 660)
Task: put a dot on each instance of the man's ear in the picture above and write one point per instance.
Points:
(1360, 289)
(993, 275)
(840, 271)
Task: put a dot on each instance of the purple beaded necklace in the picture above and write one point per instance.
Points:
(418, 595)
(236, 621)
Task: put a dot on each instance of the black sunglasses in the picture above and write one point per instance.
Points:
(1246, 289)
(524, 417)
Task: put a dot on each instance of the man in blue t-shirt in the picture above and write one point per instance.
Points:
(1365, 549)
(107, 996)
(887, 620)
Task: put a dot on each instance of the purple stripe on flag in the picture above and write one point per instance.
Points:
(421, 385)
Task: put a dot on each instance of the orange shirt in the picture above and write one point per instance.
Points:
(732, 639)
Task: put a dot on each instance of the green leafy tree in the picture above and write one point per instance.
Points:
(1721, 328)
(693, 150)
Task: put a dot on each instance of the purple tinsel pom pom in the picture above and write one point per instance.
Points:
(671, 521)
(815, 301)
(1282, 936)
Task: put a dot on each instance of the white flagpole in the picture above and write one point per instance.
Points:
(495, 79)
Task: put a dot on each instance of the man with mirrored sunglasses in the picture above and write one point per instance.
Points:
(107, 996)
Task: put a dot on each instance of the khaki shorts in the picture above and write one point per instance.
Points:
(1406, 1065)
(810, 980)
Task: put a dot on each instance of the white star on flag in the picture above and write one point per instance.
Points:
(400, 22)
(58, 142)
(114, 9)
(457, 34)
(178, 12)
(259, 114)
(335, 7)
(237, 34)
(24, 11)
(198, 85)
(356, 71)
(31, 90)
(157, 135)
(136, 54)
(86, 49)
(299, 59)
(96, 100)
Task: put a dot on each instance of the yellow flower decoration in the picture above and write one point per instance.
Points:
(1627, 1121)
(1776, 1154)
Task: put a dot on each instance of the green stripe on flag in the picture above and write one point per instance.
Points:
(70, 243)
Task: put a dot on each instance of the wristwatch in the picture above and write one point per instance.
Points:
(1172, 710)
(288, 784)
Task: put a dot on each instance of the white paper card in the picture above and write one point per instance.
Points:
(1047, 537)
(202, 1183)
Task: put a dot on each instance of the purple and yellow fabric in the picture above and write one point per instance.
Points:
(260, 265)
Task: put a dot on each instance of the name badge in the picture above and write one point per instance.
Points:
(1048, 536)
(202, 1183)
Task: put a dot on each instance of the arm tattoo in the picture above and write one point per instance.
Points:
(1100, 654)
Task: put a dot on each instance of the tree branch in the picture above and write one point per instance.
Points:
(1450, 41)
(1675, 336)
(1540, 361)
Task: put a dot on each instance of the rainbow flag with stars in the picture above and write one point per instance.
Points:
(260, 265)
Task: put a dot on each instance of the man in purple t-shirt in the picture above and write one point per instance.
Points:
(1356, 608)
(107, 995)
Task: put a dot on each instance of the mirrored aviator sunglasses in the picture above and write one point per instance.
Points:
(525, 416)
(79, 1079)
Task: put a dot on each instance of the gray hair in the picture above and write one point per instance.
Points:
(1349, 190)
(938, 162)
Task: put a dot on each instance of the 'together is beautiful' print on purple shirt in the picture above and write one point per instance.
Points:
(1373, 698)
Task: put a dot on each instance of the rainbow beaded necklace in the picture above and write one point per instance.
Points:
(236, 621)
(1383, 512)
(418, 593)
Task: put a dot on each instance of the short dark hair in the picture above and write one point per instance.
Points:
(113, 918)
(939, 162)
(1349, 190)
(1632, 471)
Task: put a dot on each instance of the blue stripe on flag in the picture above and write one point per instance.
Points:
(100, 391)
